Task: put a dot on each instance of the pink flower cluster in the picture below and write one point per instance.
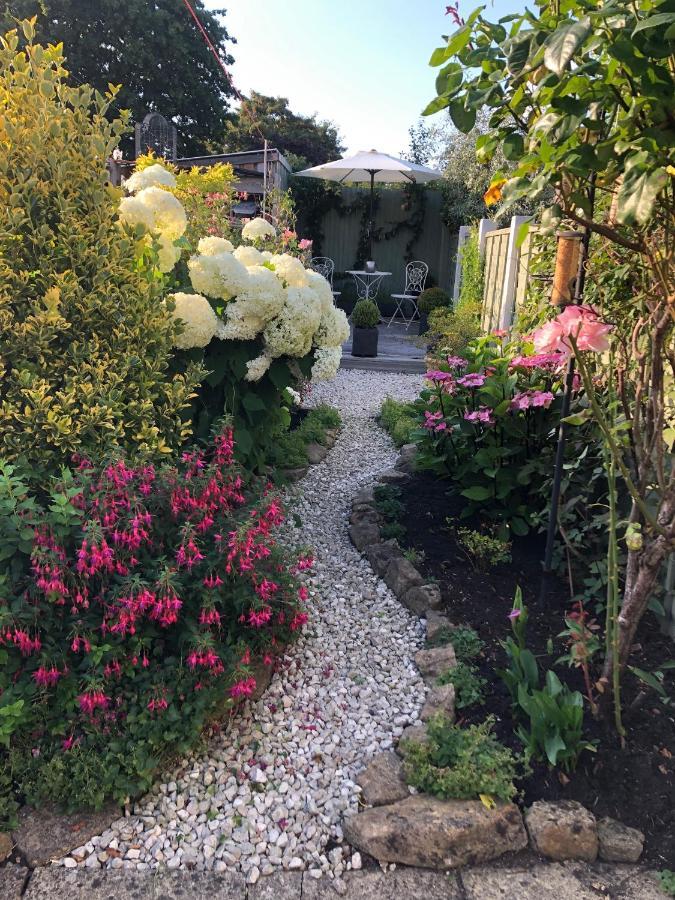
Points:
(483, 416)
(553, 361)
(457, 362)
(472, 380)
(582, 323)
(535, 399)
(434, 421)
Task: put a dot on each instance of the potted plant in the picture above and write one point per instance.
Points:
(365, 317)
(432, 298)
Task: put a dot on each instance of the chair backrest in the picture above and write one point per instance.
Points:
(415, 276)
(325, 266)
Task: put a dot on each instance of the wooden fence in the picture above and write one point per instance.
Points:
(506, 270)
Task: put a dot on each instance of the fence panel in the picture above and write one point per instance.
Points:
(496, 246)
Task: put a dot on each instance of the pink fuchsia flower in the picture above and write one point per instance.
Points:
(482, 415)
(457, 362)
(472, 380)
(243, 688)
(305, 244)
(46, 677)
(92, 700)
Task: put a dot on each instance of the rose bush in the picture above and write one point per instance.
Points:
(133, 605)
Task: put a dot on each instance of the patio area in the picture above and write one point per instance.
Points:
(398, 351)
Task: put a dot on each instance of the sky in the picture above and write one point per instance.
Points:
(363, 64)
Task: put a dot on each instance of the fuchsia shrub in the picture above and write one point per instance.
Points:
(139, 613)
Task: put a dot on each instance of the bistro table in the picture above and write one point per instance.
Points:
(367, 283)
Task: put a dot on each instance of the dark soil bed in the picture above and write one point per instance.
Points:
(636, 784)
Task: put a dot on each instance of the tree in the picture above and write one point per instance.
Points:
(303, 138)
(152, 48)
(581, 101)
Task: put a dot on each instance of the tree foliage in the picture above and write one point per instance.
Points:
(580, 95)
(304, 139)
(152, 48)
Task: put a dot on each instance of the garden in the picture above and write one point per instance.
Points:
(262, 614)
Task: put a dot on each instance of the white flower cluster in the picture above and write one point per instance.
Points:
(152, 176)
(272, 297)
(258, 230)
(199, 321)
(156, 210)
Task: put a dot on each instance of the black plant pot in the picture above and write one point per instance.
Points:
(365, 342)
(424, 323)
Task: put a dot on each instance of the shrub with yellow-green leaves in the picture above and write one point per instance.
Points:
(85, 339)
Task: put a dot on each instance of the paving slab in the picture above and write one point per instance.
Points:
(12, 880)
(551, 881)
(47, 833)
(280, 886)
(572, 880)
(56, 883)
(402, 884)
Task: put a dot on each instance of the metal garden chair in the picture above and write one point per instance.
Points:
(325, 266)
(415, 278)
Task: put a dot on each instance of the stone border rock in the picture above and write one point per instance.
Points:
(423, 830)
(316, 453)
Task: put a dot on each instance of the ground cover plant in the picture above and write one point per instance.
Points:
(135, 601)
(462, 763)
(399, 419)
(289, 448)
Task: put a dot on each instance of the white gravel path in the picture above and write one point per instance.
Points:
(270, 791)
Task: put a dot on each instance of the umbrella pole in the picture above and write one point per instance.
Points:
(370, 223)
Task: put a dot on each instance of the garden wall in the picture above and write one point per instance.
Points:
(435, 244)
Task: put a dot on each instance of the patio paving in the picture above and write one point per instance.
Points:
(396, 352)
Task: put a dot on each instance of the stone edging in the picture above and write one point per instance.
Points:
(421, 830)
(316, 453)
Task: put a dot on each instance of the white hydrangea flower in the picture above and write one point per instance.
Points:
(323, 289)
(263, 293)
(266, 255)
(333, 329)
(326, 363)
(200, 322)
(292, 331)
(248, 256)
(290, 270)
(239, 324)
(152, 176)
(167, 211)
(210, 246)
(169, 253)
(219, 276)
(134, 212)
(258, 229)
(256, 368)
(294, 395)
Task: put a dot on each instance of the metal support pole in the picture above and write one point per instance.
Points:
(370, 222)
(264, 203)
(565, 411)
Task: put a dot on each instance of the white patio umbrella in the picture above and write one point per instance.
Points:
(371, 166)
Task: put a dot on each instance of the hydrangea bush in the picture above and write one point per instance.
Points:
(132, 610)
(487, 421)
(257, 319)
